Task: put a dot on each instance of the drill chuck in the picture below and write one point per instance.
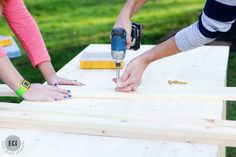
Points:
(118, 64)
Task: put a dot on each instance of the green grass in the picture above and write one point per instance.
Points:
(68, 26)
(231, 106)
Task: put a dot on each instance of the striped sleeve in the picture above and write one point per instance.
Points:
(216, 18)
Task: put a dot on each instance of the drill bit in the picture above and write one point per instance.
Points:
(117, 77)
(117, 74)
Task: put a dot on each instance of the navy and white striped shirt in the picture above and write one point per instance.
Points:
(216, 18)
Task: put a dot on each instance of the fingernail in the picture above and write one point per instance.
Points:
(75, 80)
(55, 99)
(65, 97)
(56, 84)
(69, 96)
(68, 91)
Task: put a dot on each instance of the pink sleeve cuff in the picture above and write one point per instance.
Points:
(41, 60)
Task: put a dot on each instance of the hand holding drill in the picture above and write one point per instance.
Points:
(122, 39)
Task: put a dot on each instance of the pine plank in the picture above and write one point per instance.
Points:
(220, 132)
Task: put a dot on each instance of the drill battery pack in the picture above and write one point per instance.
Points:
(136, 34)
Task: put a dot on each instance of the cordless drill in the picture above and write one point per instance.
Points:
(118, 43)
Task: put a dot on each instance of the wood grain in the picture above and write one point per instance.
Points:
(220, 93)
(207, 131)
(204, 67)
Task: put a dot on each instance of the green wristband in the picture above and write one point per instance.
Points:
(21, 91)
(24, 87)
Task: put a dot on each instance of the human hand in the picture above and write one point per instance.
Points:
(132, 76)
(126, 24)
(56, 80)
(38, 92)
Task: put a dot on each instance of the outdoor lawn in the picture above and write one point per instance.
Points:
(68, 26)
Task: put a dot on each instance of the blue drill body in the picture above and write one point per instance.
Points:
(118, 45)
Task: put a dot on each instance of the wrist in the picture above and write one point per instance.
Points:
(49, 76)
(122, 21)
(144, 60)
(47, 70)
(124, 17)
(23, 88)
(16, 84)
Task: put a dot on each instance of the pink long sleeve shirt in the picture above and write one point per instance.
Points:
(26, 30)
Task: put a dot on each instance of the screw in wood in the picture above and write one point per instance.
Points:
(176, 82)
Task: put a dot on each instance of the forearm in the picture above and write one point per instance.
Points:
(162, 50)
(9, 74)
(137, 6)
(126, 12)
(130, 8)
(46, 69)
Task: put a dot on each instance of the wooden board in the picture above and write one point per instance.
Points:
(208, 131)
(225, 93)
(48, 144)
(202, 67)
(218, 93)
